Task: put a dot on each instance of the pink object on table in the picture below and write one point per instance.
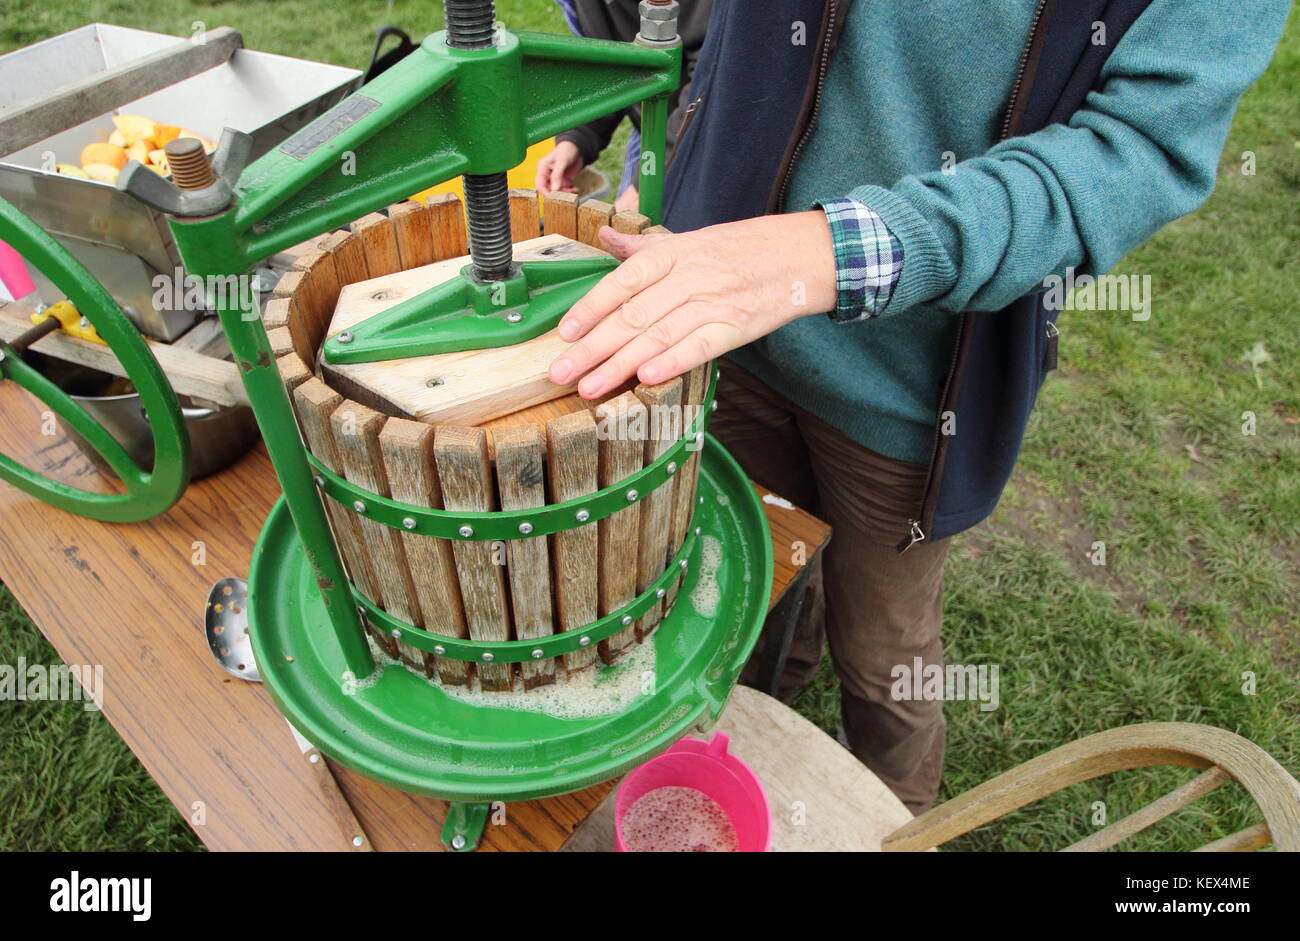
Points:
(709, 769)
(13, 273)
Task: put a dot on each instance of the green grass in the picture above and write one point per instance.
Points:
(1136, 443)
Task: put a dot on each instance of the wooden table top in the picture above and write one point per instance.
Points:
(131, 598)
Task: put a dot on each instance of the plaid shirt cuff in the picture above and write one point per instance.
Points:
(868, 259)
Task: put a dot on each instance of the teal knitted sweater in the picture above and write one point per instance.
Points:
(909, 125)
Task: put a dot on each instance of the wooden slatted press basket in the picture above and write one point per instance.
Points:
(483, 431)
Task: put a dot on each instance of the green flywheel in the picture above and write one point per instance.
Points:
(148, 492)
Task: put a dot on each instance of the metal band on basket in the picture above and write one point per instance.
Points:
(518, 524)
(522, 651)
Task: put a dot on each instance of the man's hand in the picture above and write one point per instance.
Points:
(557, 170)
(680, 300)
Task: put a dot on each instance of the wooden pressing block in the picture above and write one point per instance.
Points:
(470, 387)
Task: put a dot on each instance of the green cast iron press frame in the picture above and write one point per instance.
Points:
(442, 111)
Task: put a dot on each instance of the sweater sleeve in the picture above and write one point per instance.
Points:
(1143, 151)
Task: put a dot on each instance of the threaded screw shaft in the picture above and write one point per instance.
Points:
(470, 23)
(189, 164)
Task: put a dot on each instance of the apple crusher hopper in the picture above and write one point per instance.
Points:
(468, 101)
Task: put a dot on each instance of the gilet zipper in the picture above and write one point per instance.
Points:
(929, 495)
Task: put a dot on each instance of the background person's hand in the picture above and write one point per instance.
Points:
(680, 300)
(558, 169)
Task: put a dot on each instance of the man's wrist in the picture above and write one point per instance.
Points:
(868, 259)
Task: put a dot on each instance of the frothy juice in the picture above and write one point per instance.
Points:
(678, 820)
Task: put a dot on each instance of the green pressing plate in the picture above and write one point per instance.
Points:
(406, 731)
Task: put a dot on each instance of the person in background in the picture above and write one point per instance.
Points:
(578, 148)
(869, 206)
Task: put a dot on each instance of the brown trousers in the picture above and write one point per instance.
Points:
(878, 608)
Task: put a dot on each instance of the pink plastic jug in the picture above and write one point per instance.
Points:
(708, 768)
(13, 273)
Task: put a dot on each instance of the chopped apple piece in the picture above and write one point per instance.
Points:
(103, 153)
(71, 169)
(102, 172)
(133, 127)
(163, 133)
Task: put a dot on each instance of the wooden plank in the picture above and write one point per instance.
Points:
(281, 341)
(521, 480)
(591, 216)
(356, 435)
(293, 371)
(622, 425)
(525, 215)
(469, 387)
(683, 510)
(447, 223)
(407, 448)
(349, 257)
(380, 243)
(34, 119)
(275, 312)
(466, 477)
(207, 338)
(314, 402)
(573, 458)
(664, 403)
(560, 214)
(630, 222)
(315, 299)
(414, 236)
(189, 373)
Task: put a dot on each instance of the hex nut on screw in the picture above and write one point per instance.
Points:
(658, 21)
(344, 337)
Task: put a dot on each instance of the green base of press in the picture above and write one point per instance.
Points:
(407, 732)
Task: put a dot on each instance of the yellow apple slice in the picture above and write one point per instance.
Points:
(133, 127)
(101, 172)
(71, 169)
